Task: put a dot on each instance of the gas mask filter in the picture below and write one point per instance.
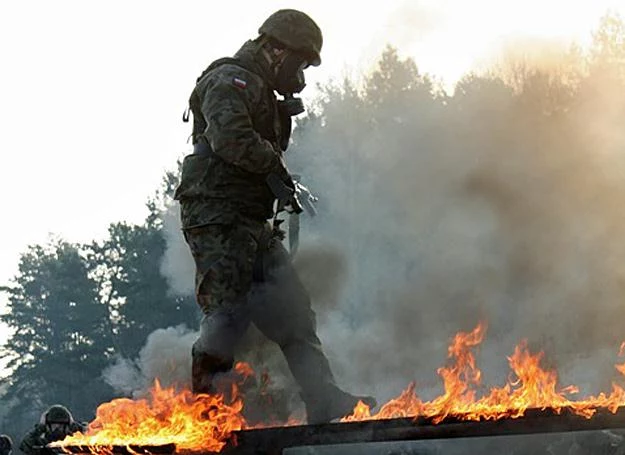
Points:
(289, 80)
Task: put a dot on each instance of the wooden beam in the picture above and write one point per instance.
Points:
(272, 441)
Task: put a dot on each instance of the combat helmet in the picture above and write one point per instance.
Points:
(6, 445)
(57, 414)
(297, 31)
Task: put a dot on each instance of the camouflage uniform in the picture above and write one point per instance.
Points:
(46, 430)
(243, 273)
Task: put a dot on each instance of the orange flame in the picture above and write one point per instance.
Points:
(530, 386)
(192, 422)
(207, 422)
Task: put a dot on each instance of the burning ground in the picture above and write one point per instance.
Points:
(207, 423)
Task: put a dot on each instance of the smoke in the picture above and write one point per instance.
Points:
(177, 264)
(323, 270)
(499, 203)
(502, 202)
(496, 206)
(166, 356)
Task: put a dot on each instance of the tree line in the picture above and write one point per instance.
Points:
(74, 308)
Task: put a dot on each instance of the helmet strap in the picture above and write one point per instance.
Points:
(273, 51)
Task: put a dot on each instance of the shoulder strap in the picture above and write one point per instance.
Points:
(226, 61)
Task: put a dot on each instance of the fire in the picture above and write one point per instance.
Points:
(529, 386)
(192, 422)
(207, 422)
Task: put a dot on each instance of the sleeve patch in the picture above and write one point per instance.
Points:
(239, 82)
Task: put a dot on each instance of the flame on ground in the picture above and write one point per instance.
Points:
(207, 423)
(192, 422)
(529, 386)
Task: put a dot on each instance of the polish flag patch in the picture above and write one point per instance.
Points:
(239, 82)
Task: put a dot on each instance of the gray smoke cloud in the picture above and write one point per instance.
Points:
(502, 203)
(429, 223)
(177, 264)
(166, 356)
(448, 218)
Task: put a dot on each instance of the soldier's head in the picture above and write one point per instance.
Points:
(6, 445)
(292, 41)
(57, 420)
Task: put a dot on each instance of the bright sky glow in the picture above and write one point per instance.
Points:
(91, 93)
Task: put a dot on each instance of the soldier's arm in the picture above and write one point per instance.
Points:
(32, 442)
(226, 108)
(78, 426)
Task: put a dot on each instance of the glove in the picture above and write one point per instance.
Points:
(284, 174)
(283, 187)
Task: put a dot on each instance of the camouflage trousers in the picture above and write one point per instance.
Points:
(243, 276)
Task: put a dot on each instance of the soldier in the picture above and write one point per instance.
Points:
(55, 424)
(6, 445)
(240, 131)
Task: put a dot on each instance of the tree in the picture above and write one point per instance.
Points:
(74, 307)
(608, 46)
(60, 341)
(132, 285)
(397, 83)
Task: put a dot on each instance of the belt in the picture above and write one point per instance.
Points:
(202, 148)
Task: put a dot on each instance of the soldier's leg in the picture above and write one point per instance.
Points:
(284, 315)
(224, 256)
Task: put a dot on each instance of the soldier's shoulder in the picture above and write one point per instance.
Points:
(233, 75)
(38, 428)
(33, 437)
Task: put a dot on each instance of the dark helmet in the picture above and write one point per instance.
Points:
(297, 31)
(57, 414)
(6, 445)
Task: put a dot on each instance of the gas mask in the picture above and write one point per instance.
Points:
(289, 80)
(57, 431)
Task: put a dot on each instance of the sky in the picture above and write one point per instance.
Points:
(92, 92)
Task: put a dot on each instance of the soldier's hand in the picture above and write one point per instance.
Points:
(283, 172)
(283, 187)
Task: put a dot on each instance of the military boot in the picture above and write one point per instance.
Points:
(204, 368)
(332, 406)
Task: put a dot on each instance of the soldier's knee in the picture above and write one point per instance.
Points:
(222, 288)
(220, 331)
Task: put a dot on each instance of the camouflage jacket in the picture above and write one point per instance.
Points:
(236, 114)
(36, 439)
